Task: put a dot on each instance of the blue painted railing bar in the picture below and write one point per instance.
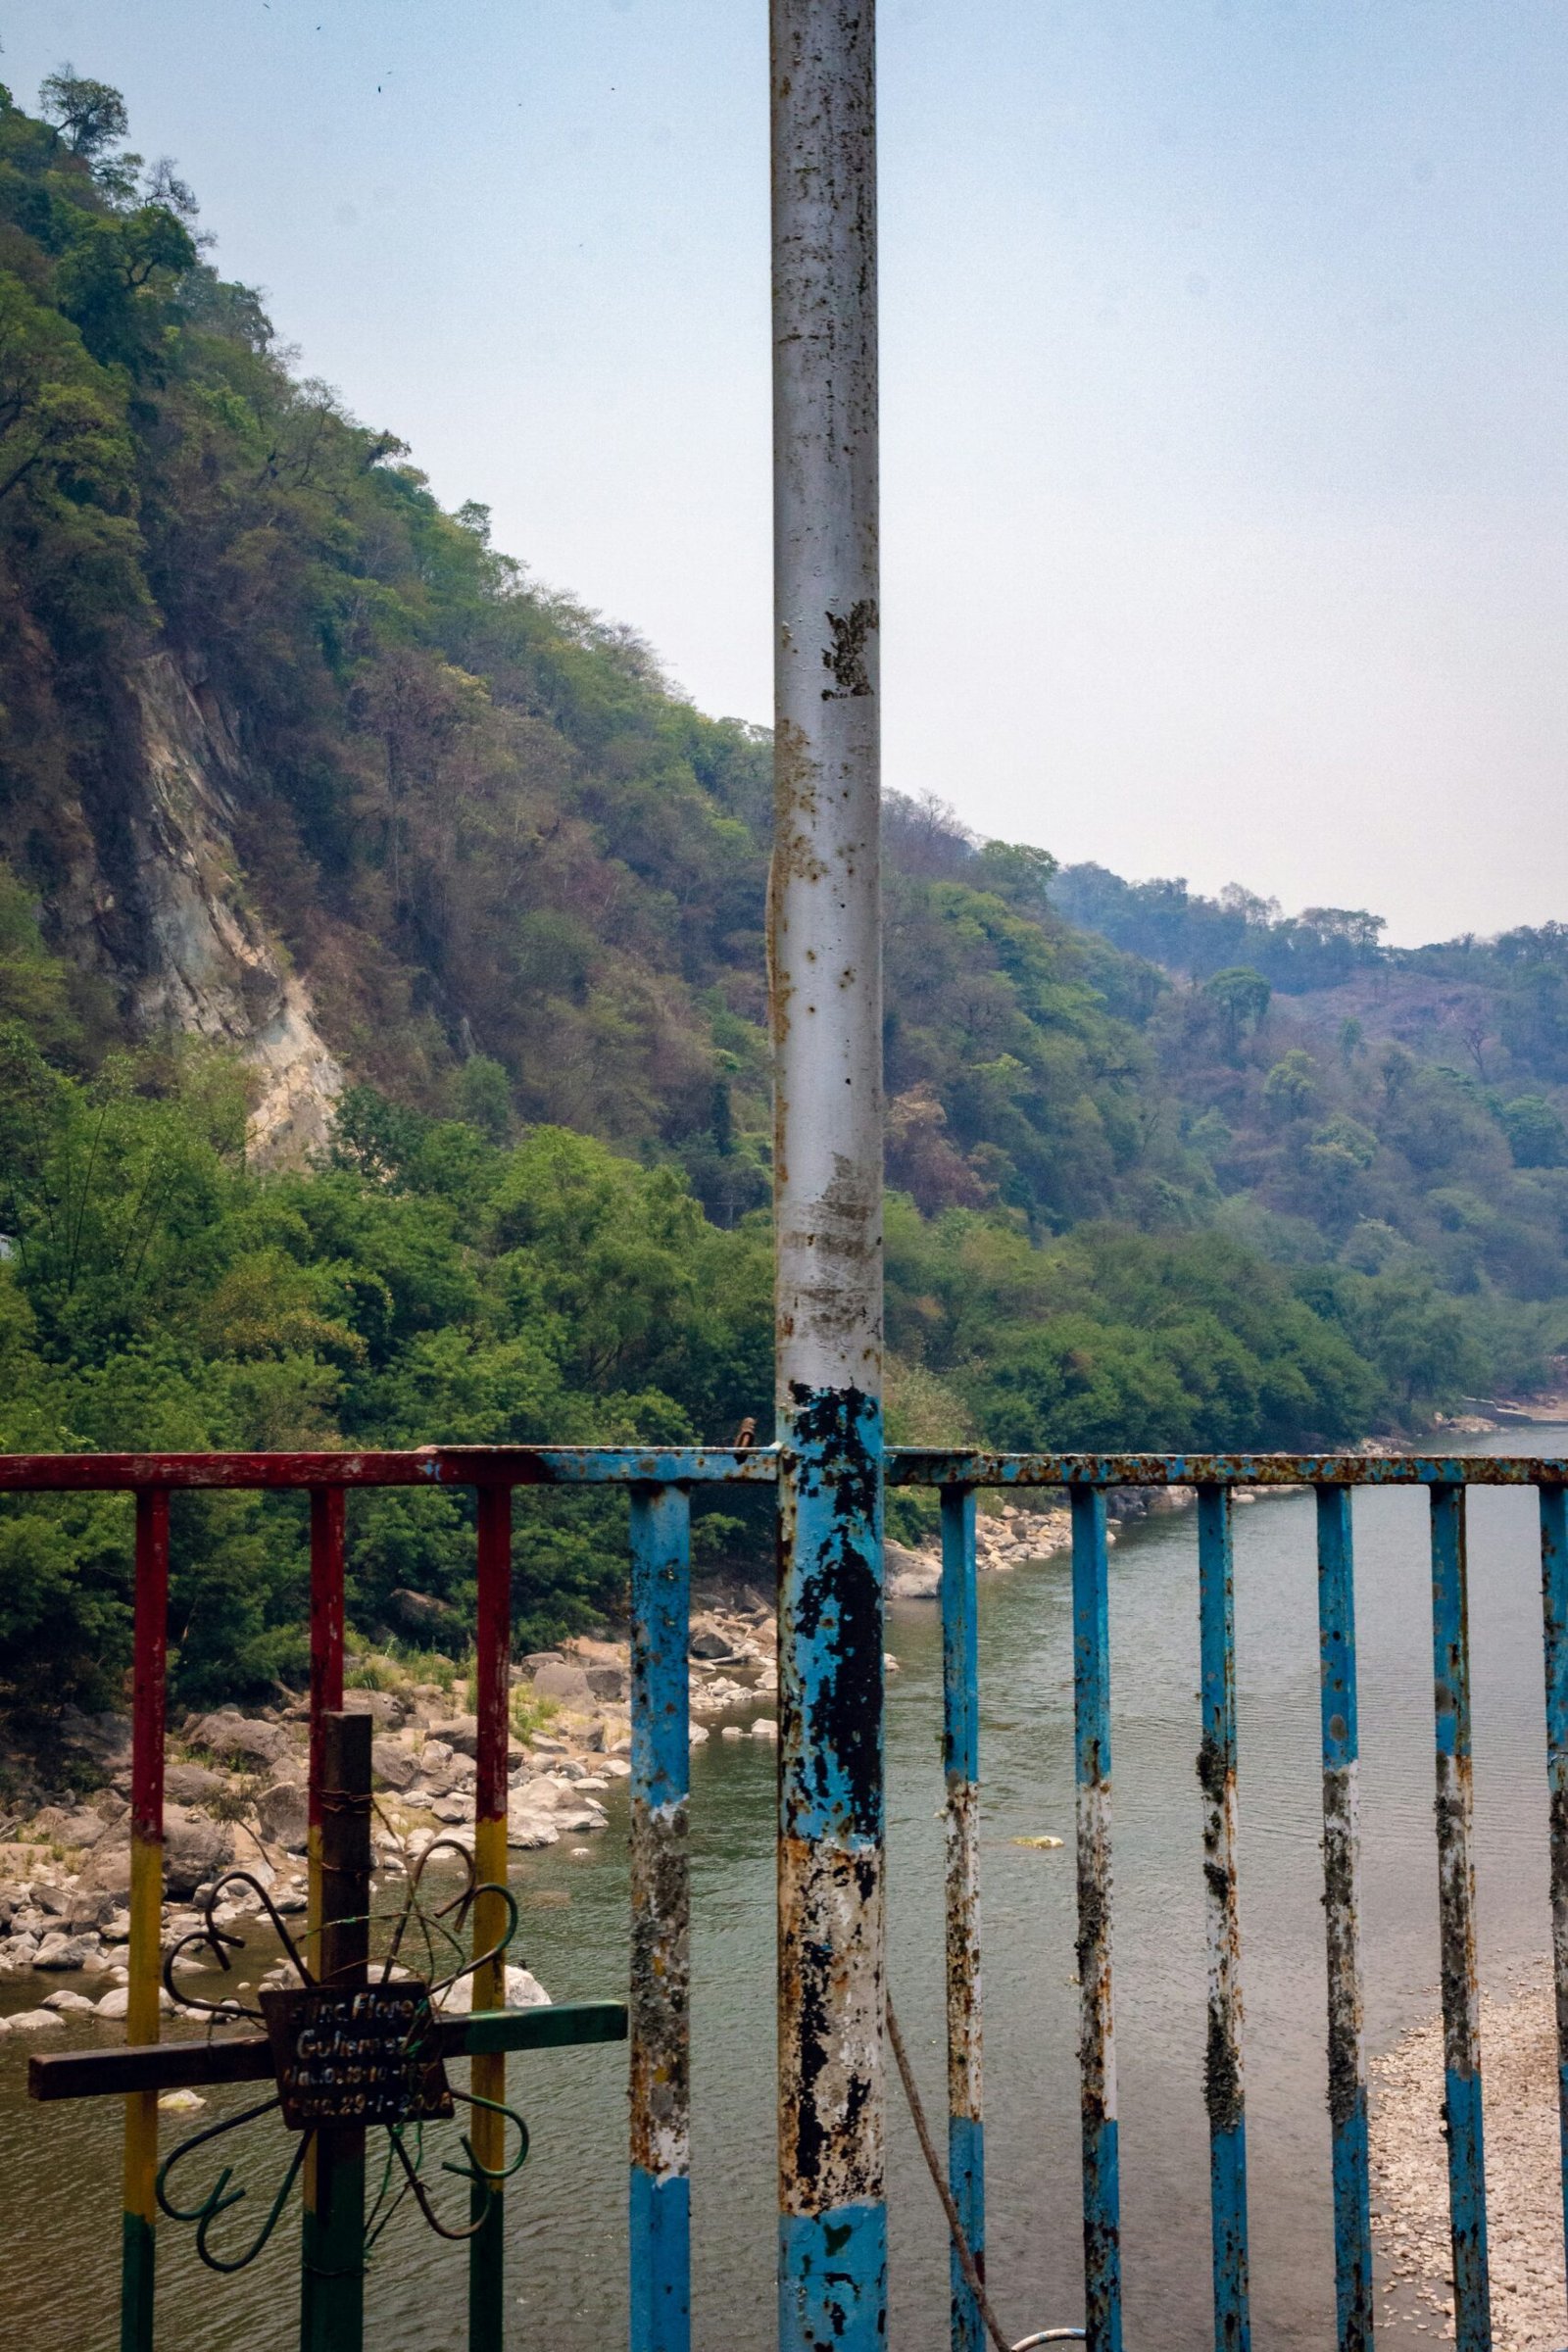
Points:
(961, 1762)
(659, 2006)
(1223, 2073)
(1096, 2041)
(1554, 1607)
(1457, 1897)
(1342, 1910)
(832, 2280)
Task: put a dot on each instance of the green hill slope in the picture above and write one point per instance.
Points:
(381, 971)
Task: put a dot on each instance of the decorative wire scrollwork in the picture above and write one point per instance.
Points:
(403, 2174)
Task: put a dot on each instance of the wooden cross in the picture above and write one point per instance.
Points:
(337, 2115)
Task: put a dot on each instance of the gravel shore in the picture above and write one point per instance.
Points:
(1524, 2182)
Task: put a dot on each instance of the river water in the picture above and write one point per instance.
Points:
(58, 2252)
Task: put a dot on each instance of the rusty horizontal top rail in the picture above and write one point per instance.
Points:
(922, 1466)
(756, 1465)
(423, 1466)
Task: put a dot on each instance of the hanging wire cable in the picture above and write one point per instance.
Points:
(961, 2243)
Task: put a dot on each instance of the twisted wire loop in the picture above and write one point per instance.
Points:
(437, 1936)
(212, 1938)
(219, 2198)
(474, 2171)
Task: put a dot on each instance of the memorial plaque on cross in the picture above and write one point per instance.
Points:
(345, 2051)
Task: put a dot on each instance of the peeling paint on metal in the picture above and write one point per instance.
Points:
(1097, 2036)
(1223, 2086)
(833, 2279)
(1555, 1610)
(752, 1465)
(660, 1998)
(831, 1981)
(1347, 2051)
(1462, 2021)
(965, 2094)
(831, 2154)
(933, 1466)
(960, 1757)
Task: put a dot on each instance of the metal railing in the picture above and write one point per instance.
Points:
(660, 1484)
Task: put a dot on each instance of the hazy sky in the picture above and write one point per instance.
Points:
(1223, 377)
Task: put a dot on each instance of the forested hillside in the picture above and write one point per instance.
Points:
(384, 1059)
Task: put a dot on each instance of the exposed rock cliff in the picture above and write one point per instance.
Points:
(189, 951)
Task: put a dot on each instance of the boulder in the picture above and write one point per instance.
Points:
(764, 1728)
(62, 1952)
(282, 1816)
(85, 1910)
(107, 1869)
(575, 1817)
(381, 1705)
(241, 1739)
(419, 1613)
(69, 2004)
(35, 2021)
(195, 1850)
(911, 1575)
(115, 2004)
(608, 1682)
(78, 1827)
(707, 1641)
(527, 1829)
(461, 1734)
(562, 1682)
(590, 1650)
(523, 1992)
(397, 1767)
(544, 1793)
(192, 1784)
(419, 1842)
(104, 1738)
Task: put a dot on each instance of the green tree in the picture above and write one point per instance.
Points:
(89, 116)
(1536, 1133)
(1240, 997)
(62, 425)
(1292, 1084)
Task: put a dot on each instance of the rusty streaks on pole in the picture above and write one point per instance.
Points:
(825, 964)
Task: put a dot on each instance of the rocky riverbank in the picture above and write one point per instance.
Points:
(236, 1795)
(1524, 2179)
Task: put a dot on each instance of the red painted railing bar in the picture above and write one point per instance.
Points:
(327, 1515)
(428, 1466)
(150, 1653)
(492, 1670)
